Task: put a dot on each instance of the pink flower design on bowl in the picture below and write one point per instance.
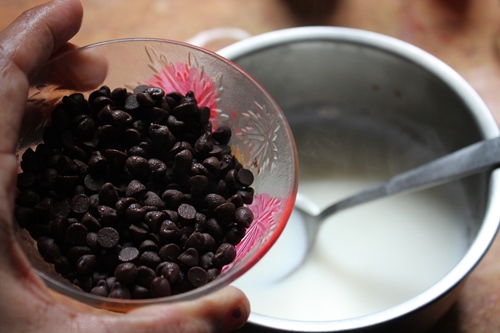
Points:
(182, 78)
(264, 207)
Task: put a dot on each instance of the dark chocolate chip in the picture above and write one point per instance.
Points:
(86, 264)
(245, 177)
(108, 237)
(119, 291)
(150, 259)
(160, 287)
(225, 254)
(170, 270)
(222, 135)
(243, 216)
(76, 234)
(197, 276)
(126, 273)
(145, 276)
(187, 213)
(172, 198)
(128, 254)
(169, 252)
(189, 257)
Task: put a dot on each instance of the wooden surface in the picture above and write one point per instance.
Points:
(463, 33)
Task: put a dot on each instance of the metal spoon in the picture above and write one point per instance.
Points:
(473, 159)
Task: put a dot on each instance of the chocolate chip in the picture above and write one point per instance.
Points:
(115, 158)
(172, 198)
(145, 276)
(212, 273)
(183, 160)
(222, 135)
(134, 213)
(148, 245)
(225, 213)
(150, 259)
(100, 289)
(27, 198)
(169, 230)
(204, 144)
(108, 237)
(196, 240)
(126, 273)
(119, 95)
(128, 254)
(119, 291)
(245, 177)
(243, 216)
(108, 195)
(138, 233)
(225, 254)
(197, 276)
(206, 260)
(75, 252)
(152, 199)
(97, 163)
(161, 135)
(213, 200)
(170, 271)
(169, 252)
(140, 292)
(76, 233)
(160, 287)
(122, 204)
(154, 219)
(212, 164)
(135, 189)
(133, 195)
(86, 264)
(120, 119)
(107, 215)
(198, 184)
(80, 203)
(93, 183)
(187, 213)
(137, 166)
(189, 257)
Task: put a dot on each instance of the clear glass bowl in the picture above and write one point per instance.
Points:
(262, 140)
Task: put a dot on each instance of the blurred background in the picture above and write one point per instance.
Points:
(463, 33)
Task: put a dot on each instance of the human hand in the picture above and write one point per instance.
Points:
(26, 304)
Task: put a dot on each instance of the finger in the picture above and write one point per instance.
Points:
(35, 35)
(25, 46)
(223, 311)
(81, 70)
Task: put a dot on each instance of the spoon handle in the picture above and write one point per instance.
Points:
(476, 158)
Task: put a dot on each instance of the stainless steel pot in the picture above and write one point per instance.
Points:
(367, 74)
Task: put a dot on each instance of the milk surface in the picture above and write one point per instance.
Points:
(367, 258)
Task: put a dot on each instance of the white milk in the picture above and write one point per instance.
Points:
(367, 258)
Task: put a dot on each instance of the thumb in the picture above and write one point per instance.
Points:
(223, 311)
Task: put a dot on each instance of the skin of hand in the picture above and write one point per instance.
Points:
(26, 304)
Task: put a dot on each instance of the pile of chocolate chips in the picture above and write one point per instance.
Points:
(133, 195)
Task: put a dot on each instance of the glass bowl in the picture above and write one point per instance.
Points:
(261, 139)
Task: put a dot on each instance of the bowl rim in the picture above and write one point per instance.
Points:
(227, 278)
(481, 114)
